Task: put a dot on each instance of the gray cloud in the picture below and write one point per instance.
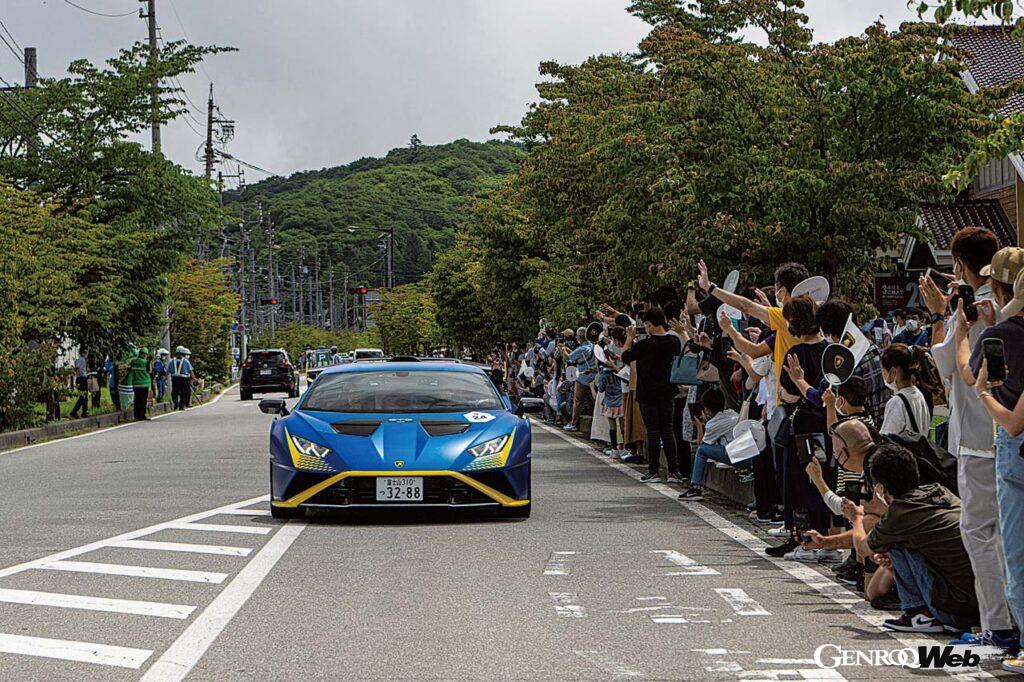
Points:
(321, 82)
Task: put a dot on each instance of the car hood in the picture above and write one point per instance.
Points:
(418, 441)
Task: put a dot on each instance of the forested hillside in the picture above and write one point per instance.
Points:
(421, 191)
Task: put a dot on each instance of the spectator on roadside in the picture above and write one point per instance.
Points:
(653, 356)
(914, 333)
(110, 369)
(181, 379)
(876, 328)
(714, 432)
(81, 379)
(907, 413)
(139, 379)
(920, 534)
(833, 316)
(899, 322)
(160, 373)
(585, 363)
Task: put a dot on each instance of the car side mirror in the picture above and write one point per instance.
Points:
(274, 406)
(529, 406)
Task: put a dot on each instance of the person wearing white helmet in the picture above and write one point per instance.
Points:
(160, 373)
(181, 372)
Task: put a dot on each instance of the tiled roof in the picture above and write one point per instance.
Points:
(994, 58)
(944, 221)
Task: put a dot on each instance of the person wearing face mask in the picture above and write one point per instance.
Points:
(919, 534)
(832, 316)
(907, 413)
(912, 334)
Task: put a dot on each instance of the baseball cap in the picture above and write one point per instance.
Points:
(568, 332)
(1016, 304)
(1005, 265)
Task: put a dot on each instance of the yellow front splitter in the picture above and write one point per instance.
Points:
(501, 498)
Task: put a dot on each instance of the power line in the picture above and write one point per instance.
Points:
(16, 53)
(184, 34)
(254, 167)
(100, 14)
(9, 34)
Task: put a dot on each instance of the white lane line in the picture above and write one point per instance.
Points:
(131, 535)
(78, 601)
(675, 620)
(824, 674)
(566, 606)
(724, 667)
(181, 657)
(689, 566)
(818, 582)
(741, 602)
(247, 512)
(108, 429)
(181, 547)
(67, 650)
(606, 664)
(136, 571)
(786, 661)
(558, 563)
(223, 528)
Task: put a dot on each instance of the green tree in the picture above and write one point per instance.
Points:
(203, 306)
(406, 320)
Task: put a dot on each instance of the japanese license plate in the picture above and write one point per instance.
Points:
(264, 372)
(400, 489)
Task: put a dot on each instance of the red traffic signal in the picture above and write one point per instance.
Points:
(268, 301)
(362, 291)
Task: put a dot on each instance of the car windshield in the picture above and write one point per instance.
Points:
(402, 391)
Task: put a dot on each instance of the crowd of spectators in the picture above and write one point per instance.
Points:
(906, 474)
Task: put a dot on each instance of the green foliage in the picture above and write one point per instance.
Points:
(295, 337)
(203, 306)
(421, 191)
(705, 144)
(406, 321)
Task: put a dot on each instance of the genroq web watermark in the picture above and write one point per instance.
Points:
(831, 656)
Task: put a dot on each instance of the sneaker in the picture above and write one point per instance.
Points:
(691, 494)
(779, 532)
(609, 452)
(1006, 640)
(783, 549)
(648, 478)
(771, 519)
(920, 621)
(830, 556)
(1014, 665)
(752, 506)
(747, 478)
(806, 556)
(632, 458)
(569, 427)
(673, 479)
(887, 602)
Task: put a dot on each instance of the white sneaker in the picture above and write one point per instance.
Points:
(830, 556)
(780, 532)
(569, 427)
(608, 452)
(807, 556)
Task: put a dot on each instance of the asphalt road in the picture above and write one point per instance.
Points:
(147, 551)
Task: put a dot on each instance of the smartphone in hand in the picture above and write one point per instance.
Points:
(966, 294)
(994, 353)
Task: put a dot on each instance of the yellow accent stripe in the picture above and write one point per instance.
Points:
(293, 450)
(501, 498)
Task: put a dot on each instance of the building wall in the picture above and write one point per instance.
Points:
(1008, 198)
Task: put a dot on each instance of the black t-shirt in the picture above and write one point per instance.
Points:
(809, 418)
(1011, 331)
(654, 356)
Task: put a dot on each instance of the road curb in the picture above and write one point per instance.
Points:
(16, 439)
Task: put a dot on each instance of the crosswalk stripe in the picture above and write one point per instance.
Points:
(136, 571)
(78, 601)
(688, 565)
(566, 606)
(223, 528)
(182, 547)
(558, 563)
(68, 650)
(741, 602)
(246, 512)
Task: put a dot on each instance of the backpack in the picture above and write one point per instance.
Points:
(934, 462)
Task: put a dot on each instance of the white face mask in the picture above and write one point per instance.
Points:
(913, 325)
(778, 300)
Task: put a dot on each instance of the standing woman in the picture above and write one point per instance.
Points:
(139, 378)
(908, 412)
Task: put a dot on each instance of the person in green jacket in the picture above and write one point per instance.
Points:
(139, 379)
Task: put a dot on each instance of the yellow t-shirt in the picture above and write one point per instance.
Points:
(783, 340)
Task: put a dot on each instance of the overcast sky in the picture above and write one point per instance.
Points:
(317, 83)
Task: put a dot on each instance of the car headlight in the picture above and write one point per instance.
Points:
(491, 447)
(308, 447)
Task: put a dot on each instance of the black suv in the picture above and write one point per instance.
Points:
(268, 370)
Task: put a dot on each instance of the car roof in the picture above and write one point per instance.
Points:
(415, 366)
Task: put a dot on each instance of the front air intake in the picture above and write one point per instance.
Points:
(443, 427)
(356, 427)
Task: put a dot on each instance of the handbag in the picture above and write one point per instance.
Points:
(684, 370)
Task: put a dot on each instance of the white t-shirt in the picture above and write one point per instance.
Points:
(898, 423)
(718, 430)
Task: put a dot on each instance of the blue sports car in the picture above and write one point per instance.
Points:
(401, 433)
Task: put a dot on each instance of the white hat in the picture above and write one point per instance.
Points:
(180, 350)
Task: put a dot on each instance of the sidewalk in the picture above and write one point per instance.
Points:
(70, 427)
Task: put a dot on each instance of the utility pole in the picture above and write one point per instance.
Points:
(344, 301)
(154, 98)
(31, 74)
(209, 139)
(330, 294)
(391, 258)
(272, 274)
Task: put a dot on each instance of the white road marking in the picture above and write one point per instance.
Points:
(67, 650)
(558, 563)
(79, 601)
(566, 606)
(136, 571)
(675, 620)
(182, 547)
(608, 665)
(689, 566)
(786, 661)
(182, 656)
(822, 674)
(816, 581)
(247, 512)
(724, 667)
(741, 602)
(223, 528)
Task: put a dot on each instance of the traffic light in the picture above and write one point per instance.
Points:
(359, 291)
(268, 301)
(362, 291)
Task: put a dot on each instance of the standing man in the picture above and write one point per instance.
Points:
(81, 386)
(140, 380)
(582, 358)
(181, 379)
(160, 374)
